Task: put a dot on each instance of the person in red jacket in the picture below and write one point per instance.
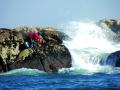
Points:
(35, 39)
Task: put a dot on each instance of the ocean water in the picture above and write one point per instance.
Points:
(59, 81)
(89, 45)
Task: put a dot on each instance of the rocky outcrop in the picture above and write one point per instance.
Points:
(113, 59)
(113, 24)
(113, 27)
(49, 57)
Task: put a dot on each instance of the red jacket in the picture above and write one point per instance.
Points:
(33, 35)
(36, 37)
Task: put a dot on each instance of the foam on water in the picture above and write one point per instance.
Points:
(24, 71)
(89, 45)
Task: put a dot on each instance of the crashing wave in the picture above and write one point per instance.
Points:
(90, 45)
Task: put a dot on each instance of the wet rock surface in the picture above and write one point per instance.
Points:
(114, 59)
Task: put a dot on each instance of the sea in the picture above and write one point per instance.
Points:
(90, 44)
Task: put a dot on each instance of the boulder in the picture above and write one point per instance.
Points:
(49, 57)
(113, 59)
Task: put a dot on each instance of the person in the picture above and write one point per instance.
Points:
(41, 40)
(28, 42)
(30, 39)
(35, 37)
(33, 40)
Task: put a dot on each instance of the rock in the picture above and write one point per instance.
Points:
(49, 57)
(46, 31)
(25, 53)
(114, 59)
(111, 28)
(49, 62)
(112, 24)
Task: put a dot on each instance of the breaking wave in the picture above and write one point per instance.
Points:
(90, 45)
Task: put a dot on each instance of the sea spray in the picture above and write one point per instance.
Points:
(89, 46)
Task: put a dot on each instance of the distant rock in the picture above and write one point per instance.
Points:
(112, 28)
(50, 57)
(113, 24)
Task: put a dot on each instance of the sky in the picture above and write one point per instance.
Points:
(15, 13)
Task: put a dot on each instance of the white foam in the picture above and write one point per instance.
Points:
(89, 45)
(23, 71)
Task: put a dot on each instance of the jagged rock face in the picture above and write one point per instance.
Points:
(49, 57)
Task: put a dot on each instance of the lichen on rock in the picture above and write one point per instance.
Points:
(49, 57)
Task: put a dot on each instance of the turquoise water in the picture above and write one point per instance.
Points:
(61, 81)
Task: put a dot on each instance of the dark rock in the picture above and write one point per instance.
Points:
(114, 59)
(50, 57)
(50, 62)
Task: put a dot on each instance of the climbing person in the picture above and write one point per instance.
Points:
(33, 40)
(28, 42)
(38, 39)
(41, 40)
(44, 40)
(36, 36)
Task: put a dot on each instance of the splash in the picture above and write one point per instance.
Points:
(89, 45)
